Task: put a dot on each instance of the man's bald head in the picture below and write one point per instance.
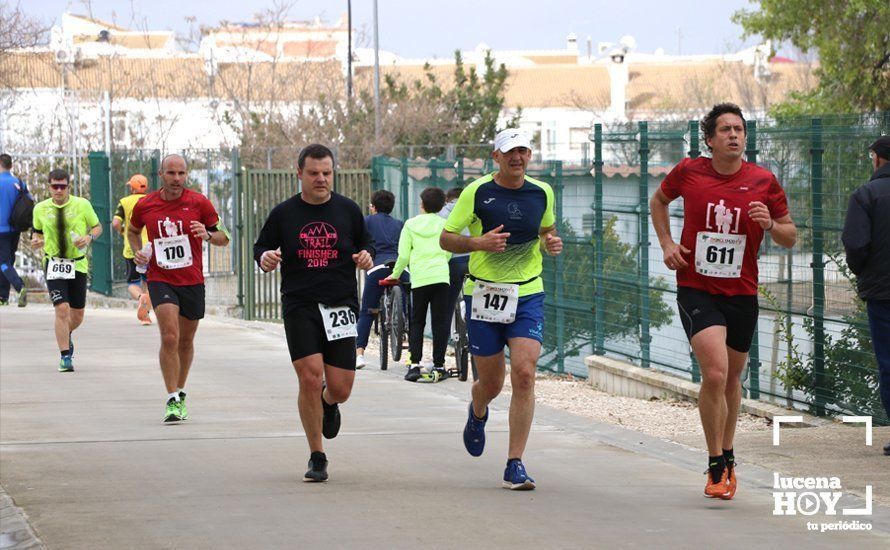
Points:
(172, 157)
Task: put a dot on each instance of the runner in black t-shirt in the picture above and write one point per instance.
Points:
(319, 238)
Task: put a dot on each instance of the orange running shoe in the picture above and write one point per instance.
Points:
(143, 310)
(730, 483)
(720, 489)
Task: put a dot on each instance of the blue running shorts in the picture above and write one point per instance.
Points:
(488, 338)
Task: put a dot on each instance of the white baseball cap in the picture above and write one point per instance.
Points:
(511, 138)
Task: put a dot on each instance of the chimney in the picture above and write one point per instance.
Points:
(572, 42)
(589, 48)
(618, 79)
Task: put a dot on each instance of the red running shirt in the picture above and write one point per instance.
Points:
(168, 224)
(716, 220)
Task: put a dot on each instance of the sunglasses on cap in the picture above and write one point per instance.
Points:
(58, 186)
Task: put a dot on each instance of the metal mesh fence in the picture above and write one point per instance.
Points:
(610, 293)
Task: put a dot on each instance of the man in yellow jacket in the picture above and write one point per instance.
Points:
(419, 248)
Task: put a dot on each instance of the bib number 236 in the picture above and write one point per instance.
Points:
(494, 302)
(339, 322)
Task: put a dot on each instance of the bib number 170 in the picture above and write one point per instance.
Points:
(174, 252)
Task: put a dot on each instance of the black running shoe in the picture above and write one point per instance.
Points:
(413, 374)
(318, 468)
(330, 424)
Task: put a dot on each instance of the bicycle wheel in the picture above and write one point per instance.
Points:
(459, 339)
(397, 324)
(383, 325)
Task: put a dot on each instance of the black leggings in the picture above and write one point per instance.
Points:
(435, 298)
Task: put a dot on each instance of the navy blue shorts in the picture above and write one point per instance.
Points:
(488, 338)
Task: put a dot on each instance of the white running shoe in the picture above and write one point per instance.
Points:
(360, 361)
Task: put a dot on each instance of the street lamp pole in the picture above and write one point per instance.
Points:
(376, 79)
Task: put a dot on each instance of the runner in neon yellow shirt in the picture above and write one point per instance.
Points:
(138, 184)
(511, 219)
(65, 226)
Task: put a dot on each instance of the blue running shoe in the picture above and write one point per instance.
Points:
(474, 432)
(516, 478)
(66, 365)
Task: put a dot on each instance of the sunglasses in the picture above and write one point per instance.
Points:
(59, 186)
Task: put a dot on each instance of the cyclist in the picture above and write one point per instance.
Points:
(728, 205)
(138, 185)
(178, 221)
(319, 238)
(511, 220)
(385, 230)
(419, 248)
(64, 226)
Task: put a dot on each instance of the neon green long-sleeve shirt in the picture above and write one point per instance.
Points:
(419, 250)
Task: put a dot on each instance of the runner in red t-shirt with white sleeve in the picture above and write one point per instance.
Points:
(728, 204)
(177, 221)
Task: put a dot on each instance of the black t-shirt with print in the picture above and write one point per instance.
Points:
(317, 243)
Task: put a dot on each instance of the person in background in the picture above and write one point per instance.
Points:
(419, 248)
(10, 186)
(459, 264)
(138, 186)
(866, 239)
(385, 231)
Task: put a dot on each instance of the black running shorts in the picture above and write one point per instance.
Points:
(70, 291)
(133, 276)
(306, 336)
(189, 298)
(700, 310)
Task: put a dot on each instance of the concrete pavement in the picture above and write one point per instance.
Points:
(87, 458)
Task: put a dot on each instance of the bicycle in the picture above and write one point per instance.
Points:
(459, 340)
(392, 320)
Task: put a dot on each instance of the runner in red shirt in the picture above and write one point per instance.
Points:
(728, 205)
(177, 221)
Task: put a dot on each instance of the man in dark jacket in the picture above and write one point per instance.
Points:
(866, 240)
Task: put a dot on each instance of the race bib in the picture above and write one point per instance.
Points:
(495, 302)
(719, 254)
(173, 252)
(339, 322)
(59, 268)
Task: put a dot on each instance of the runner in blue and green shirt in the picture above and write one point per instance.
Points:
(512, 223)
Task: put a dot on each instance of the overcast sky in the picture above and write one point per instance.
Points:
(435, 28)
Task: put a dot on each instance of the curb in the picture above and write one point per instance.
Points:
(620, 378)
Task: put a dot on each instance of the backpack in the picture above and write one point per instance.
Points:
(22, 213)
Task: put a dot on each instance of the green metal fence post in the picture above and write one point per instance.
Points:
(754, 354)
(818, 266)
(460, 172)
(599, 317)
(694, 147)
(240, 247)
(404, 186)
(558, 274)
(100, 197)
(643, 282)
(249, 275)
(694, 152)
(153, 181)
(377, 182)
